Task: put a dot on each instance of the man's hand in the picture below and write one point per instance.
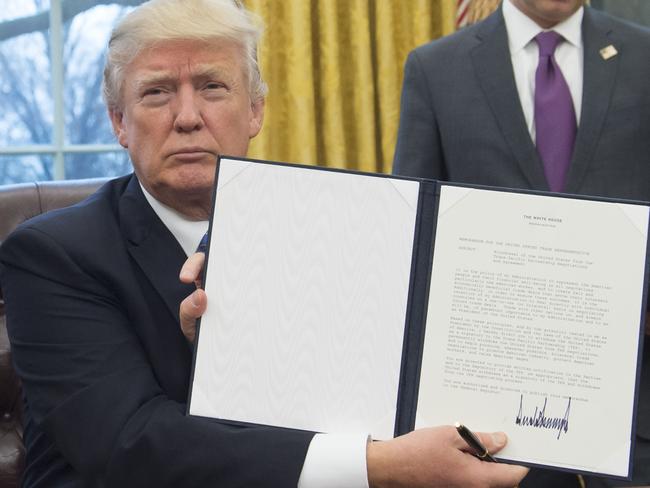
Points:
(194, 305)
(438, 457)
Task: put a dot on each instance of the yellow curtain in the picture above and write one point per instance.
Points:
(479, 9)
(334, 70)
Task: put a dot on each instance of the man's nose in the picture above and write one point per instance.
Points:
(188, 111)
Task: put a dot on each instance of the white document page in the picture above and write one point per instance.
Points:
(533, 324)
(307, 285)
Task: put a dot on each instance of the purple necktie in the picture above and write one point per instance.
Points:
(555, 120)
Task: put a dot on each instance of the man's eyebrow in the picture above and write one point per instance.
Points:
(155, 78)
(203, 71)
(200, 72)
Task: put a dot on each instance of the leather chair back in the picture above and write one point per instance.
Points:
(18, 203)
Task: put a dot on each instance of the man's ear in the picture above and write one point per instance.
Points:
(119, 128)
(257, 118)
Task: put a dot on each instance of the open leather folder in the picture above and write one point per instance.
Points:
(350, 302)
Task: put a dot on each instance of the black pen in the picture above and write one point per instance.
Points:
(474, 442)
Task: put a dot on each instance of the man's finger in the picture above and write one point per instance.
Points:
(191, 309)
(502, 474)
(191, 270)
(494, 441)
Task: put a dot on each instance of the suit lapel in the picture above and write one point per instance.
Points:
(599, 78)
(153, 247)
(494, 73)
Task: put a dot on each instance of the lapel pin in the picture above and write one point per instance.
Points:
(608, 52)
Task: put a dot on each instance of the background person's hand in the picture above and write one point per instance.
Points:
(195, 304)
(438, 457)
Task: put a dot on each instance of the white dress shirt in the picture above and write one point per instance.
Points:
(187, 232)
(332, 461)
(524, 54)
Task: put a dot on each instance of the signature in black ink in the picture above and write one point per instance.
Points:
(539, 419)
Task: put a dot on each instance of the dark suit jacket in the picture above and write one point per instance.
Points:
(92, 296)
(461, 119)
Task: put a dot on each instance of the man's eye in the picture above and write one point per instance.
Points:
(153, 91)
(214, 85)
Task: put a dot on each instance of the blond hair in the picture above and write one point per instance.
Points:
(167, 20)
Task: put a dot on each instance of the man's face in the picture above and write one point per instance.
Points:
(183, 103)
(547, 13)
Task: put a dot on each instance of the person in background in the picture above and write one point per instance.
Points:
(93, 296)
(543, 95)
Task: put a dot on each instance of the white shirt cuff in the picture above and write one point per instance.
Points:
(335, 461)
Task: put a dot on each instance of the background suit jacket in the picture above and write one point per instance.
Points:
(92, 296)
(462, 121)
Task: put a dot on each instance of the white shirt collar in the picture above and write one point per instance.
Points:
(187, 232)
(522, 29)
